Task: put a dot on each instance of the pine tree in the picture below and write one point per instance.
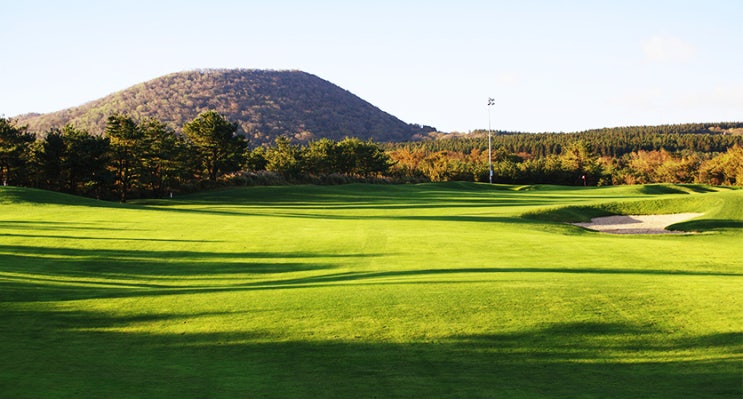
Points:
(126, 152)
(14, 146)
(219, 148)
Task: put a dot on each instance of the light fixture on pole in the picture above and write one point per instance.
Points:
(491, 102)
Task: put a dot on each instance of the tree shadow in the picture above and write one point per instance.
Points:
(699, 188)
(55, 225)
(53, 273)
(661, 189)
(95, 238)
(30, 272)
(82, 354)
(308, 207)
(423, 273)
(707, 225)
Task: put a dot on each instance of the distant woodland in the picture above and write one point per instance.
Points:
(144, 157)
(687, 153)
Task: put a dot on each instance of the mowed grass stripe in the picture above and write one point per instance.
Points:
(434, 290)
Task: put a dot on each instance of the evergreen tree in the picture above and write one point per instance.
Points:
(50, 156)
(126, 152)
(86, 159)
(219, 148)
(163, 157)
(284, 158)
(362, 158)
(256, 159)
(14, 150)
(322, 157)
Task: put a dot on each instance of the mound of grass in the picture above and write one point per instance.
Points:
(432, 290)
(721, 208)
(13, 195)
(726, 212)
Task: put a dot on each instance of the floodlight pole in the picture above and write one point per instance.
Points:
(491, 102)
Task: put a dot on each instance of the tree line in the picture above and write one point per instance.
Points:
(684, 153)
(615, 142)
(574, 163)
(145, 158)
(131, 158)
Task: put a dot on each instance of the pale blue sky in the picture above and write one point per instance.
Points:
(550, 65)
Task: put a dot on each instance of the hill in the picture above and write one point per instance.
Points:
(264, 103)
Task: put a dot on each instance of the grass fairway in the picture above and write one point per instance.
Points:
(364, 291)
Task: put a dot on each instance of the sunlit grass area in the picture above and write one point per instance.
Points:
(432, 290)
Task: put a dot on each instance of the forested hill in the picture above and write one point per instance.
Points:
(264, 103)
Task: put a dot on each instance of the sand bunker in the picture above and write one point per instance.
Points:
(638, 224)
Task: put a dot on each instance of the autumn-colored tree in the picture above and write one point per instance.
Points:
(579, 164)
(724, 169)
(406, 160)
(436, 166)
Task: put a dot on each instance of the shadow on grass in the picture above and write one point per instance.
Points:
(162, 261)
(699, 188)
(87, 238)
(79, 354)
(49, 273)
(329, 207)
(707, 225)
(54, 225)
(34, 273)
(423, 276)
(662, 189)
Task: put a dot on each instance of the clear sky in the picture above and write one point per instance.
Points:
(549, 65)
